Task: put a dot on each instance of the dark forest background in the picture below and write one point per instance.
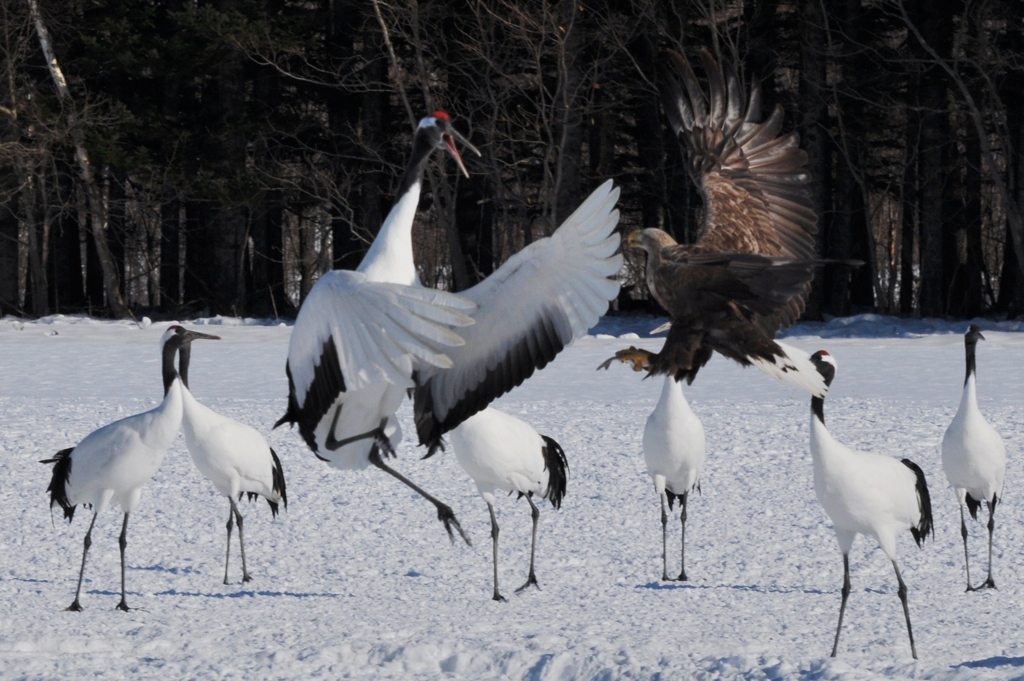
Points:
(217, 156)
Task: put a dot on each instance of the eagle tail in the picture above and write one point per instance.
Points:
(793, 366)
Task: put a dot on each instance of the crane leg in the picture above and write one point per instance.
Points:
(846, 594)
(122, 543)
(246, 577)
(990, 583)
(535, 514)
(682, 546)
(665, 541)
(494, 538)
(967, 560)
(75, 606)
(902, 592)
(230, 524)
(444, 512)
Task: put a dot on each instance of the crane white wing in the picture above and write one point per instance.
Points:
(352, 332)
(538, 302)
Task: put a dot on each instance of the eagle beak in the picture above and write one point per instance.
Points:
(633, 239)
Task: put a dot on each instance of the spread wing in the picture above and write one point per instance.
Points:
(352, 332)
(538, 302)
(752, 179)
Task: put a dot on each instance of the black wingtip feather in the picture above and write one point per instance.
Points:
(924, 501)
(278, 484)
(58, 487)
(558, 471)
(530, 353)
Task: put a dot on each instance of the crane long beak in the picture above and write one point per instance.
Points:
(195, 335)
(449, 141)
(633, 239)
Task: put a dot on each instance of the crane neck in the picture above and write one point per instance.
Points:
(169, 372)
(390, 258)
(818, 410)
(672, 394)
(971, 366)
(969, 398)
(184, 356)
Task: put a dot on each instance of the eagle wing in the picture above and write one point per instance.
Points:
(752, 179)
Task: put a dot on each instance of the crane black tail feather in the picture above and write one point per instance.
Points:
(58, 487)
(972, 506)
(924, 502)
(558, 471)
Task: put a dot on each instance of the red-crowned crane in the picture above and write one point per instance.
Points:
(674, 453)
(527, 311)
(866, 493)
(501, 452)
(112, 464)
(974, 458)
(233, 456)
(360, 335)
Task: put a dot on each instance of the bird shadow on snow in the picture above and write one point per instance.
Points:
(660, 586)
(161, 568)
(245, 594)
(994, 662)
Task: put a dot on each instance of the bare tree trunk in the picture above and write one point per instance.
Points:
(111, 280)
(1013, 209)
(8, 258)
(813, 138)
(910, 203)
(35, 298)
(936, 22)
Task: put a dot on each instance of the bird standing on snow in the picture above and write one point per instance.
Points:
(865, 493)
(749, 271)
(502, 452)
(674, 453)
(974, 458)
(360, 335)
(113, 463)
(232, 455)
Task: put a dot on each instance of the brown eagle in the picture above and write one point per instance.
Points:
(750, 269)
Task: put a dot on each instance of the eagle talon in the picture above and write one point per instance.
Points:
(640, 359)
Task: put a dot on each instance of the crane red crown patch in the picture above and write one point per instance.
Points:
(441, 115)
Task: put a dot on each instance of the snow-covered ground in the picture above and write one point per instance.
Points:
(357, 578)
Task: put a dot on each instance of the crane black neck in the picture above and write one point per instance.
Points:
(184, 355)
(828, 372)
(170, 373)
(818, 408)
(422, 147)
(970, 344)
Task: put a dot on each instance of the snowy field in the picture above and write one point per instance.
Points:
(357, 578)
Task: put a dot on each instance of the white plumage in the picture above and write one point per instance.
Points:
(233, 456)
(359, 337)
(674, 453)
(974, 457)
(501, 452)
(865, 493)
(112, 464)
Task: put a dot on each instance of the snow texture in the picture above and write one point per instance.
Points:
(358, 580)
